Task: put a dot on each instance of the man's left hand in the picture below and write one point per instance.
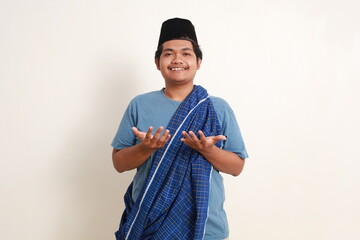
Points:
(202, 143)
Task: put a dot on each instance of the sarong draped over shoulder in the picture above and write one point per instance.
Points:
(173, 203)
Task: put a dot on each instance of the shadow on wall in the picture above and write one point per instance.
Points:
(93, 191)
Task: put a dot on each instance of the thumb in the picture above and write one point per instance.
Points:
(135, 130)
(220, 137)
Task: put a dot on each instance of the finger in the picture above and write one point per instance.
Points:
(186, 135)
(193, 136)
(157, 133)
(136, 132)
(148, 134)
(165, 136)
(202, 136)
(186, 139)
(220, 137)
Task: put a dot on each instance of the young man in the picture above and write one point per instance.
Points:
(177, 192)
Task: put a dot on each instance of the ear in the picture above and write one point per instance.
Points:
(157, 63)
(199, 61)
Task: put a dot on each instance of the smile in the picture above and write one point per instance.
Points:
(177, 69)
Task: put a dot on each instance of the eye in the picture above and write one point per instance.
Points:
(187, 54)
(167, 54)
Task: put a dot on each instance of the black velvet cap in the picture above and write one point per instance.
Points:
(177, 28)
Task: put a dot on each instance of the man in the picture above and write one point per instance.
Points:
(177, 192)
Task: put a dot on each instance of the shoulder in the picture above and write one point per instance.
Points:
(218, 100)
(220, 104)
(147, 96)
(146, 99)
(224, 112)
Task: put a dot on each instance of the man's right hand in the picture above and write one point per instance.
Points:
(150, 141)
(133, 157)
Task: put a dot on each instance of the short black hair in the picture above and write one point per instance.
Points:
(196, 47)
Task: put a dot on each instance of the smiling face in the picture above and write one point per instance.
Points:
(178, 63)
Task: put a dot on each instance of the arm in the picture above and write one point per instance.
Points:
(222, 160)
(132, 157)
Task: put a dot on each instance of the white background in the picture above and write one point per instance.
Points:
(289, 69)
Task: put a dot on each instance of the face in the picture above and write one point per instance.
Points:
(178, 63)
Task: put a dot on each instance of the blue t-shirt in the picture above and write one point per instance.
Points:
(155, 109)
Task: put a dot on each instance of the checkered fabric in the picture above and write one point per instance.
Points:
(174, 201)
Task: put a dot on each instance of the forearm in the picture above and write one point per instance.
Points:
(131, 157)
(223, 161)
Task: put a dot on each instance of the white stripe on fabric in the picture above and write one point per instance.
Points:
(153, 176)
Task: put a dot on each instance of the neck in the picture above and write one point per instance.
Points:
(178, 93)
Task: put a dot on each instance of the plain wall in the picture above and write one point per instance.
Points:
(289, 69)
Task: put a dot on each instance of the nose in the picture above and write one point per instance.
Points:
(177, 59)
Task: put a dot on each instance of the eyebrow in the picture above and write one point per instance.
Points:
(172, 50)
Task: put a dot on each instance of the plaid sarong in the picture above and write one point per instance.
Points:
(173, 204)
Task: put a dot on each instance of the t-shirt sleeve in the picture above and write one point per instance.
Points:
(234, 141)
(124, 136)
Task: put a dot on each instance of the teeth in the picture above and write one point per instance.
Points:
(177, 69)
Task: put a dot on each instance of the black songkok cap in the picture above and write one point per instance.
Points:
(177, 28)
